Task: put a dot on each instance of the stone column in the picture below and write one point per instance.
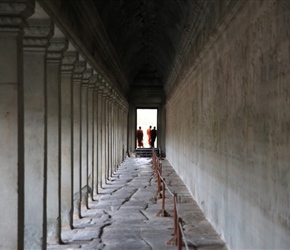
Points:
(35, 43)
(115, 132)
(53, 65)
(83, 190)
(119, 142)
(125, 128)
(84, 141)
(109, 134)
(91, 87)
(12, 17)
(91, 135)
(123, 135)
(132, 128)
(66, 161)
(100, 120)
(106, 132)
(113, 129)
(95, 181)
(118, 132)
(79, 68)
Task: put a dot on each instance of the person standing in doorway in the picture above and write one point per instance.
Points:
(140, 138)
(153, 136)
(149, 135)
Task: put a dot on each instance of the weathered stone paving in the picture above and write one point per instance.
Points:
(123, 217)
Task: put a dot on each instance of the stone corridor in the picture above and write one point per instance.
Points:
(73, 75)
(123, 215)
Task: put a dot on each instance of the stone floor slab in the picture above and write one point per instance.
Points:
(123, 214)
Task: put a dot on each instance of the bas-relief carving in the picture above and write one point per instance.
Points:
(241, 107)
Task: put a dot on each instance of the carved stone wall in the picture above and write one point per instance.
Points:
(228, 126)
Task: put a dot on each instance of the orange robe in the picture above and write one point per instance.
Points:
(149, 135)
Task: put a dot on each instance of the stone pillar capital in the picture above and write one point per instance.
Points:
(92, 82)
(111, 95)
(14, 13)
(37, 33)
(106, 90)
(56, 48)
(79, 68)
(100, 85)
(69, 58)
(115, 98)
(87, 76)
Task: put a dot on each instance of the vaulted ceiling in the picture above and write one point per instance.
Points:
(139, 43)
(145, 35)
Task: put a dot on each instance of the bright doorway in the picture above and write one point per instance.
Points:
(146, 118)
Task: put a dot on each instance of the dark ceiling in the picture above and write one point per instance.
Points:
(138, 43)
(145, 35)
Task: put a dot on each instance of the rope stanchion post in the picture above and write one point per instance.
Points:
(163, 212)
(173, 240)
(179, 235)
(158, 191)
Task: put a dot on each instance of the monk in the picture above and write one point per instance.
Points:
(140, 137)
(149, 135)
(153, 137)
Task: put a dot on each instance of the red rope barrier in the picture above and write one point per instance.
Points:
(163, 212)
(176, 239)
(173, 239)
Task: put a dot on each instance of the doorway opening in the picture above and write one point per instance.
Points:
(146, 118)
